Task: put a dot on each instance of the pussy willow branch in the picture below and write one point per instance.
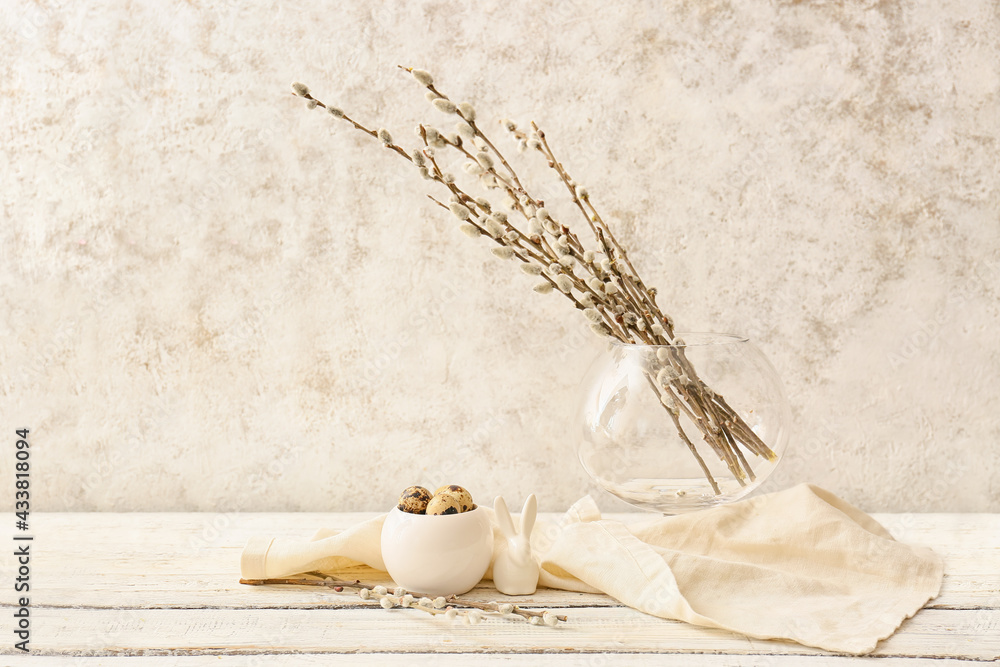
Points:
(609, 291)
(714, 428)
(439, 176)
(435, 606)
(604, 236)
(518, 194)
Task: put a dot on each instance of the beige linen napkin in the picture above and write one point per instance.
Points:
(799, 564)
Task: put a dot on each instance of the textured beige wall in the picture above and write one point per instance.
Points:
(213, 299)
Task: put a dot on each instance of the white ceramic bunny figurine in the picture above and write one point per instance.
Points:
(515, 571)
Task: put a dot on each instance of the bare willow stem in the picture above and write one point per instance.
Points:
(680, 430)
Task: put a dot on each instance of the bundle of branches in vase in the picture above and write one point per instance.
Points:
(597, 277)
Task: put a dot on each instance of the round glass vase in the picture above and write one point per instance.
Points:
(678, 428)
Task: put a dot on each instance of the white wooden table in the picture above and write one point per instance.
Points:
(159, 589)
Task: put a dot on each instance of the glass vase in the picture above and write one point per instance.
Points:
(683, 427)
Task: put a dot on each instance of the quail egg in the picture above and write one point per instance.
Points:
(445, 503)
(414, 499)
(464, 496)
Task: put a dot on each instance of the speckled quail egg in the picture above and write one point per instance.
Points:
(464, 496)
(414, 499)
(445, 502)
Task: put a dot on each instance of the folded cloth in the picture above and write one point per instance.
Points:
(799, 564)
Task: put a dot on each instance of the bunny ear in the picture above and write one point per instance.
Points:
(528, 513)
(503, 517)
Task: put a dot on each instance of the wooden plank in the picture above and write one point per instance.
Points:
(177, 590)
(223, 591)
(968, 634)
(199, 530)
(150, 563)
(492, 659)
(192, 560)
(191, 536)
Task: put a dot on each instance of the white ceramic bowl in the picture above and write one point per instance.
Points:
(437, 555)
